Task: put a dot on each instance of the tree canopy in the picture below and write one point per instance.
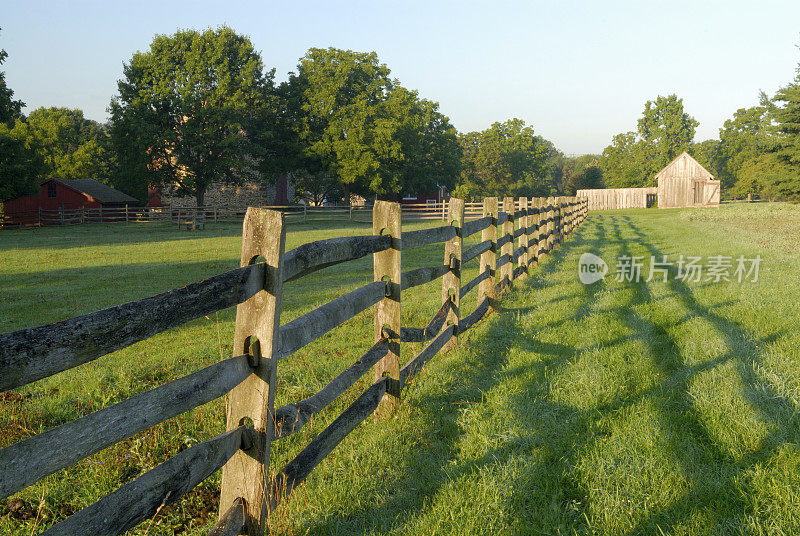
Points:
(784, 180)
(189, 110)
(20, 164)
(508, 158)
(71, 146)
(364, 133)
(10, 109)
(663, 132)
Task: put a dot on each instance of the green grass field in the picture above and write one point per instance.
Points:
(616, 408)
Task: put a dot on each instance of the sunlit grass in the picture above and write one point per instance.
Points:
(617, 408)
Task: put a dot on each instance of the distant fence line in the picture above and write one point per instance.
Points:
(193, 215)
(513, 239)
(617, 198)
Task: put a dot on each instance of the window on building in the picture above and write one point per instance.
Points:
(51, 189)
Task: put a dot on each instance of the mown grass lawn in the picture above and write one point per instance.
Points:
(615, 408)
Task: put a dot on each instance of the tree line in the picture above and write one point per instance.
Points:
(757, 154)
(200, 107)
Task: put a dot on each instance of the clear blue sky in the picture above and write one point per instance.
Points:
(578, 71)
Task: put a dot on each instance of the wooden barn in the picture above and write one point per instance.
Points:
(55, 194)
(685, 183)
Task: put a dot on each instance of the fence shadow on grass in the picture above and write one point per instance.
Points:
(745, 351)
(428, 472)
(547, 493)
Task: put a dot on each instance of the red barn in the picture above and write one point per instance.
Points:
(56, 194)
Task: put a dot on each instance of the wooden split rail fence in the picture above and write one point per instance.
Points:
(514, 237)
(194, 217)
(220, 214)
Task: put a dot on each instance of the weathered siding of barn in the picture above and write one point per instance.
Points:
(617, 198)
(685, 183)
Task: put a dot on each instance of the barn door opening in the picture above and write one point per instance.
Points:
(699, 188)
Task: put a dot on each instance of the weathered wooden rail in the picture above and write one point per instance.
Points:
(523, 232)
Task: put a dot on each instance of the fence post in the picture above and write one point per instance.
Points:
(387, 268)
(533, 231)
(489, 258)
(573, 204)
(507, 232)
(546, 227)
(246, 474)
(524, 222)
(451, 281)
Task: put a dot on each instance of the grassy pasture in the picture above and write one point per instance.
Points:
(616, 408)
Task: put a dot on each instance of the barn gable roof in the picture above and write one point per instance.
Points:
(684, 167)
(97, 190)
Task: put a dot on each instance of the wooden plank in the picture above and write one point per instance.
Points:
(34, 458)
(314, 256)
(296, 471)
(475, 316)
(292, 417)
(387, 268)
(431, 330)
(34, 353)
(451, 282)
(483, 276)
(141, 498)
(256, 335)
(488, 262)
(314, 324)
(476, 250)
(411, 368)
(424, 237)
(420, 276)
(472, 227)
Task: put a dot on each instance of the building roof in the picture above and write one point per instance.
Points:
(684, 167)
(97, 190)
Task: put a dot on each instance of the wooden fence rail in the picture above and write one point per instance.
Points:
(512, 241)
(194, 217)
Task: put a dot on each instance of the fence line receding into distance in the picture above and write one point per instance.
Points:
(522, 232)
(218, 214)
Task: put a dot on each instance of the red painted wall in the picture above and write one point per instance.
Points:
(24, 210)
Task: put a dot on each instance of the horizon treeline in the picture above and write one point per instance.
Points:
(201, 107)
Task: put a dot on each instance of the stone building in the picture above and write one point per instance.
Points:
(246, 194)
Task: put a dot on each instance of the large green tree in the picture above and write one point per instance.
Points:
(663, 132)
(71, 146)
(508, 158)
(20, 163)
(339, 93)
(10, 109)
(787, 140)
(623, 162)
(363, 132)
(582, 172)
(192, 110)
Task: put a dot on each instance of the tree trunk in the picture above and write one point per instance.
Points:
(346, 190)
(200, 195)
